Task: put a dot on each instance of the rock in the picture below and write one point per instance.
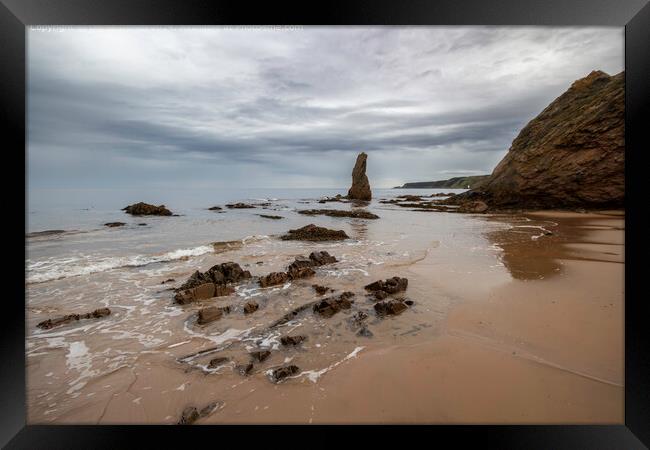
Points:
(51, 323)
(218, 361)
(408, 302)
(266, 216)
(114, 224)
(321, 258)
(202, 292)
(292, 340)
(142, 224)
(245, 369)
(145, 209)
(215, 208)
(291, 315)
(189, 416)
(380, 295)
(168, 280)
(303, 272)
(330, 306)
(250, 307)
(273, 279)
(284, 372)
(360, 189)
(365, 332)
(313, 233)
(239, 206)
(220, 274)
(571, 155)
(211, 313)
(411, 198)
(390, 286)
(473, 207)
(320, 290)
(390, 307)
(260, 355)
(357, 214)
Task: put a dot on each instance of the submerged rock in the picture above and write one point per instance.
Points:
(365, 332)
(357, 214)
(145, 209)
(245, 369)
(215, 208)
(114, 224)
(218, 361)
(330, 306)
(281, 373)
(266, 216)
(250, 307)
(260, 355)
(360, 189)
(189, 416)
(51, 323)
(312, 232)
(292, 340)
(320, 290)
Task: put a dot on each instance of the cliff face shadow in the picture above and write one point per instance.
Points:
(534, 246)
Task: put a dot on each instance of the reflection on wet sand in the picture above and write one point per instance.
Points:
(534, 244)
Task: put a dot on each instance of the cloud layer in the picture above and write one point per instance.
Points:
(275, 107)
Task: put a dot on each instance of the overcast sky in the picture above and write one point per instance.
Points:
(212, 107)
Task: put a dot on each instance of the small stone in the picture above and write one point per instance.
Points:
(218, 361)
(292, 340)
(260, 355)
(284, 372)
(250, 307)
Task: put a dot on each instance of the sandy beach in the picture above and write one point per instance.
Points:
(517, 318)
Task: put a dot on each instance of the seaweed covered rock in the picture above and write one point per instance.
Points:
(145, 209)
(312, 232)
(51, 323)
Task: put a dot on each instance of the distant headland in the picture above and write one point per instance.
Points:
(452, 183)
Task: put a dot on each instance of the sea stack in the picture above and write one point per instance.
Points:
(360, 189)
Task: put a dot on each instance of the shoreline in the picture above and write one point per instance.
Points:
(485, 357)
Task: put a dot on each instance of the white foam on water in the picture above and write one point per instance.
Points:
(58, 268)
(314, 375)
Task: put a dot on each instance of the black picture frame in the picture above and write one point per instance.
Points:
(634, 15)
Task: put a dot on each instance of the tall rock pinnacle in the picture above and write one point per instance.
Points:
(360, 189)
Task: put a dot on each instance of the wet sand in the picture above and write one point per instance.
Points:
(536, 339)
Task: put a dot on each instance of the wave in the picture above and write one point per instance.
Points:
(58, 268)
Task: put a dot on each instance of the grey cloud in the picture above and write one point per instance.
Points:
(174, 105)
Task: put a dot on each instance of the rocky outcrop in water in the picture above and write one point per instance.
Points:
(382, 289)
(211, 313)
(356, 214)
(212, 283)
(572, 155)
(284, 372)
(51, 323)
(301, 267)
(330, 306)
(145, 209)
(114, 224)
(360, 189)
(239, 206)
(313, 233)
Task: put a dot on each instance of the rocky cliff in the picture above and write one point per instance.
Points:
(570, 155)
